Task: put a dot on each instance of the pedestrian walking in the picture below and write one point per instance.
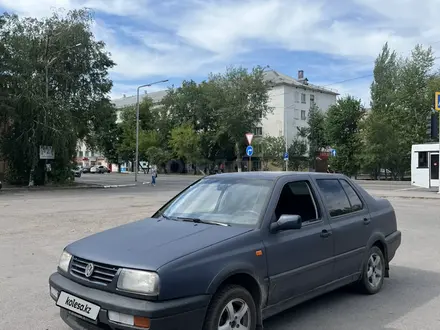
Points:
(153, 176)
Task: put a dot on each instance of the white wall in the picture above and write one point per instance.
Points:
(420, 176)
(273, 124)
(287, 101)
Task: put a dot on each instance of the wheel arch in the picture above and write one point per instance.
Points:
(246, 278)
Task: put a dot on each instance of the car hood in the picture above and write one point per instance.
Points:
(148, 244)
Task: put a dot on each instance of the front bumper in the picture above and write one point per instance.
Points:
(178, 314)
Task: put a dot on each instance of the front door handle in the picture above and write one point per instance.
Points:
(326, 233)
(367, 221)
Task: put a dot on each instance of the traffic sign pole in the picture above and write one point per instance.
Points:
(249, 153)
(249, 149)
(437, 108)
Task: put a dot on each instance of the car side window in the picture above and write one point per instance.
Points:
(353, 197)
(335, 197)
(297, 198)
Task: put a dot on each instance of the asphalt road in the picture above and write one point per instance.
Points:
(35, 226)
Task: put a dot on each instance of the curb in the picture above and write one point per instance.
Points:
(119, 185)
(407, 197)
(88, 186)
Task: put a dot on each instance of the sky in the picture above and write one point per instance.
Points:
(334, 42)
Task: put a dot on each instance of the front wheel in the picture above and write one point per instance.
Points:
(373, 272)
(232, 308)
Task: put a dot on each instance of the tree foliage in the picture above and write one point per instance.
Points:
(342, 128)
(314, 133)
(54, 78)
(402, 95)
(185, 143)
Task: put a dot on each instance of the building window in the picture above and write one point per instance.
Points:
(303, 115)
(87, 153)
(258, 131)
(303, 98)
(423, 159)
(312, 99)
(296, 96)
(81, 154)
(93, 154)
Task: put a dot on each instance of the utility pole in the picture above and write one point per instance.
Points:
(136, 167)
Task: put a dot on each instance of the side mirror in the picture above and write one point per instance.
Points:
(286, 222)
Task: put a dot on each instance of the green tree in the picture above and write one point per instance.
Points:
(342, 130)
(242, 99)
(272, 150)
(58, 79)
(148, 133)
(185, 143)
(402, 99)
(377, 129)
(297, 154)
(314, 133)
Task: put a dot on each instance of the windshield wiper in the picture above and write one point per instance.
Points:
(196, 220)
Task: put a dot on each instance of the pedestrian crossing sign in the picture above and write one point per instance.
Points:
(437, 101)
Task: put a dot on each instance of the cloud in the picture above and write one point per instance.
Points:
(122, 88)
(174, 39)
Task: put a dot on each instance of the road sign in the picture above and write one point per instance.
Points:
(249, 137)
(437, 101)
(333, 151)
(286, 156)
(249, 151)
(46, 152)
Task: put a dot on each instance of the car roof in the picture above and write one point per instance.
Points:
(273, 176)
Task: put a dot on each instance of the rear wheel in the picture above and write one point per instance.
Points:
(232, 308)
(373, 272)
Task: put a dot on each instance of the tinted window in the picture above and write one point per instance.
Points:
(334, 196)
(297, 199)
(355, 201)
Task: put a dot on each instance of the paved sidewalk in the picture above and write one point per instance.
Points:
(410, 194)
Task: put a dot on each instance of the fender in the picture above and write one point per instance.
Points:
(241, 268)
(236, 268)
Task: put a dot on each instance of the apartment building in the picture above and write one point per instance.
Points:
(291, 100)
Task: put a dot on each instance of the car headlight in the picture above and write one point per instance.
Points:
(139, 281)
(65, 261)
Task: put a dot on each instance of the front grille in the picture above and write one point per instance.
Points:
(102, 274)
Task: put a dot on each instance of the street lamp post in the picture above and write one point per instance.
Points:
(137, 124)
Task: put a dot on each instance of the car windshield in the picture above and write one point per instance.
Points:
(225, 201)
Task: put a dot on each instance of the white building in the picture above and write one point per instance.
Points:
(425, 165)
(291, 100)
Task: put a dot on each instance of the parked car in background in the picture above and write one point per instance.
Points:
(227, 252)
(77, 171)
(86, 169)
(99, 169)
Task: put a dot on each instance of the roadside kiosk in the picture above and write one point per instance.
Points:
(425, 165)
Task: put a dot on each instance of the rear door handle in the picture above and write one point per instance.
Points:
(326, 233)
(367, 221)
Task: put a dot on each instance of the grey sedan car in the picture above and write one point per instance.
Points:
(227, 252)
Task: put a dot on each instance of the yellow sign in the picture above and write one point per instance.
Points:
(437, 101)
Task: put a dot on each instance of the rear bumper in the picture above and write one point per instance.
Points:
(393, 242)
(178, 314)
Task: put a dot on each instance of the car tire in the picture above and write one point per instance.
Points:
(233, 304)
(373, 272)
